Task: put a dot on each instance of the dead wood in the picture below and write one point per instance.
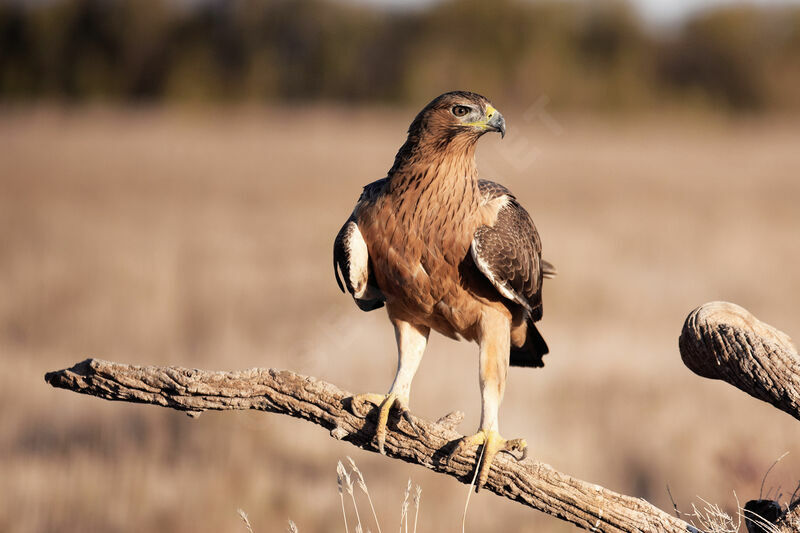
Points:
(529, 482)
(721, 340)
(724, 341)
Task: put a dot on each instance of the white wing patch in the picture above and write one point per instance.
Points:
(494, 206)
(358, 257)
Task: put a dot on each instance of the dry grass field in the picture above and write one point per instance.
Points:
(203, 238)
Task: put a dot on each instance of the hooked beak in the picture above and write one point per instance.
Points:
(495, 121)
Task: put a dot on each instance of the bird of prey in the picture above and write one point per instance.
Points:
(445, 250)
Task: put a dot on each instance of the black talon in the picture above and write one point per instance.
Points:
(407, 417)
(453, 453)
(514, 448)
(513, 455)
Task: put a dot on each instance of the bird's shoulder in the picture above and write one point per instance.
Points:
(506, 213)
(373, 190)
(491, 190)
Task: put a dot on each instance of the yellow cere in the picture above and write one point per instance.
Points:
(490, 111)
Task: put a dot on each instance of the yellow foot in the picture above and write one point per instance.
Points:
(384, 404)
(492, 444)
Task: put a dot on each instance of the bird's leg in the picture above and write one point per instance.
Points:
(411, 342)
(493, 369)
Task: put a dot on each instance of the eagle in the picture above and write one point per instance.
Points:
(441, 249)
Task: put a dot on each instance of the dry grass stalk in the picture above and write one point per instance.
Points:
(712, 519)
(417, 499)
(346, 480)
(766, 474)
(766, 526)
(404, 508)
(363, 486)
(292, 528)
(349, 488)
(342, 478)
(244, 518)
(469, 493)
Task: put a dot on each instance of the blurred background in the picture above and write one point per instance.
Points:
(172, 175)
(582, 55)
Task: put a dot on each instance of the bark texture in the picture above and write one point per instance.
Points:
(721, 340)
(529, 482)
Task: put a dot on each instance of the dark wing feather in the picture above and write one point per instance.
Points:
(491, 190)
(341, 259)
(509, 252)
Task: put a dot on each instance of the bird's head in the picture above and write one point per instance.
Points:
(457, 115)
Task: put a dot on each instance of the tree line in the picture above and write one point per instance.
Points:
(595, 55)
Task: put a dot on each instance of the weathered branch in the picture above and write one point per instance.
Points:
(529, 482)
(721, 340)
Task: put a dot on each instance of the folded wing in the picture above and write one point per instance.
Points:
(508, 253)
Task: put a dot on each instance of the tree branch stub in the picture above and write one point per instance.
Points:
(724, 341)
(721, 340)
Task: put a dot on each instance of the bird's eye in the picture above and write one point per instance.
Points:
(460, 110)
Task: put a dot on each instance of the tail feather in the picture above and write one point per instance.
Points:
(369, 305)
(530, 354)
(549, 270)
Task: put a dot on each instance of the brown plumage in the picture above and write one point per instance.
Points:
(446, 251)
